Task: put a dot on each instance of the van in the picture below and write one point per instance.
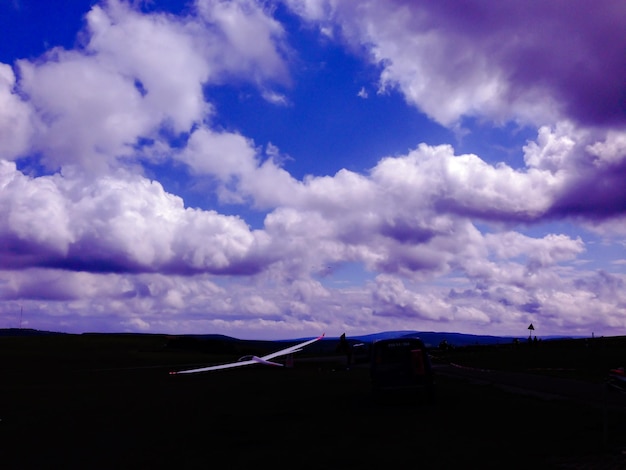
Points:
(401, 364)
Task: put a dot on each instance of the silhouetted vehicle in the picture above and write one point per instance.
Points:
(617, 379)
(360, 353)
(401, 364)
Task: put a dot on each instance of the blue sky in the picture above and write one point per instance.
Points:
(277, 169)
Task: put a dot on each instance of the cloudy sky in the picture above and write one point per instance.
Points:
(278, 169)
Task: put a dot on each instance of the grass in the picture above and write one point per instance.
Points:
(107, 402)
(584, 359)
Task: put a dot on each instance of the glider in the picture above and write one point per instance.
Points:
(249, 360)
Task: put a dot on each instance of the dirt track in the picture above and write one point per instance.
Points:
(541, 385)
(610, 404)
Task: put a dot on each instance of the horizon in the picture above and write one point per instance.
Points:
(376, 335)
(265, 169)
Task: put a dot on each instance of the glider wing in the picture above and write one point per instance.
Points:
(292, 349)
(221, 366)
(255, 360)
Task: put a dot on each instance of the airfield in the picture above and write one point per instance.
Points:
(108, 401)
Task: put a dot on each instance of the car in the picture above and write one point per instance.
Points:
(617, 379)
(399, 364)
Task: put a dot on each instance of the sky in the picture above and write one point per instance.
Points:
(279, 169)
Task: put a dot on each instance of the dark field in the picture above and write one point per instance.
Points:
(107, 401)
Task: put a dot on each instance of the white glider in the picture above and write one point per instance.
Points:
(249, 360)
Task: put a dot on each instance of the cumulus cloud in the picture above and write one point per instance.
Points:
(135, 75)
(16, 117)
(245, 39)
(410, 217)
(221, 154)
(393, 298)
(124, 223)
(435, 230)
(546, 251)
(590, 164)
(534, 62)
(531, 63)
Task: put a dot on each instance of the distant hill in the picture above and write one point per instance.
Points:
(195, 341)
(432, 338)
(26, 332)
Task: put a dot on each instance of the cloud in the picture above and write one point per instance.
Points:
(411, 212)
(245, 39)
(136, 75)
(410, 218)
(393, 298)
(534, 62)
(221, 154)
(116, 224)
(125, 222)
(275, 98)
(590, 165)
(547, 251)
(466, 184)
(92, 243)
(16, 117)
(121, 94)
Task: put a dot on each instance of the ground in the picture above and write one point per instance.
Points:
(93, 405)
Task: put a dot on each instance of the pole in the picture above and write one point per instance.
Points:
(605, 418)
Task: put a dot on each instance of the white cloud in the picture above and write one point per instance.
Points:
(221, 154)
(612, 228)
(250, 40)
(409, 218)
(610, 151)
(393, 298)
(103, 243)
(434, 67)
(32, 211)
(123, 222)
(466, 184)
(553, 149)
(137, 73)
(90, 118)
(275, 98)
(501, 62)
(16, 117)
(545, 251)
(166, 55)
